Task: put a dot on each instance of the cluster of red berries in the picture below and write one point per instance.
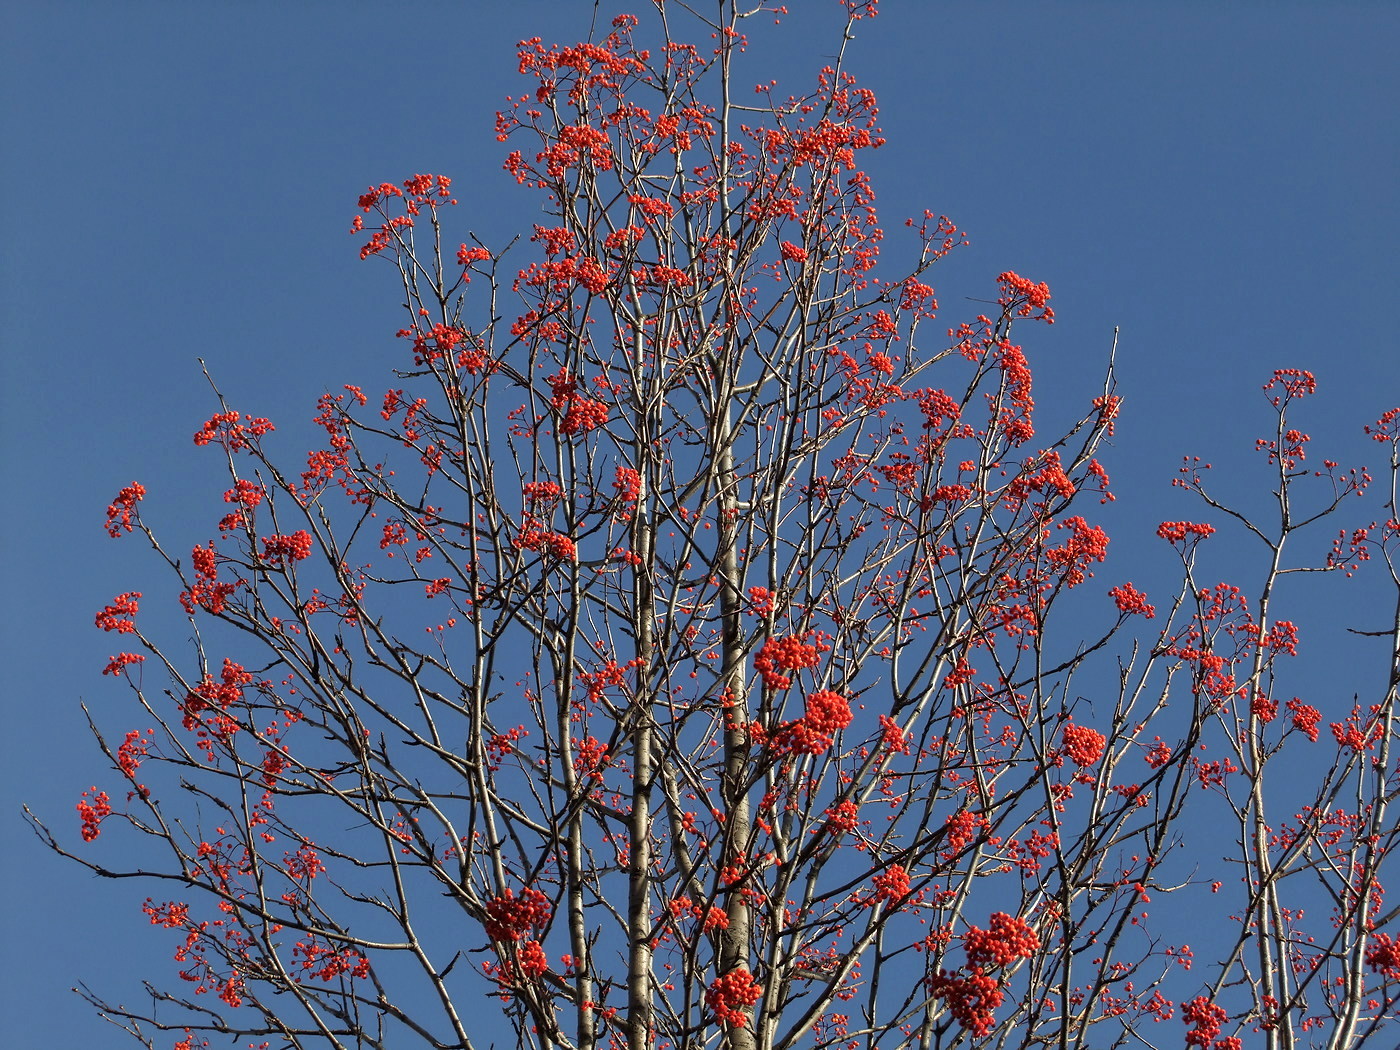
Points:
(578, 414)
(784, 654)
(1383, 955)
(533, 961)
(1026, 296)
(556, 544)
(121, 509)
(891, 885)
(971, 999)
(1010, 938)
(510, 917)
(1208, 1019)
(296, 547)
(1083, 745)
(826, 713)
(840, 820)
(628, 483)
(114, 617)
(92, 808)
(729, 996)
(224, 428)
(1176, 531)
(1132, 601)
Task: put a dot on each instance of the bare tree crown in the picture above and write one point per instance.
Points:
(695, 645)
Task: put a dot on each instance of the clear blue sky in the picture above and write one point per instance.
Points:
(1217, 178)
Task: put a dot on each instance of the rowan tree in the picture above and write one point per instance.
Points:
(697, 644)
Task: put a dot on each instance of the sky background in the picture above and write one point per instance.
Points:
(1217, 179)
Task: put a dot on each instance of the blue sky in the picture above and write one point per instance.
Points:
(1217, 179)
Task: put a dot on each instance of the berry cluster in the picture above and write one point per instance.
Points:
(1383, 955)
(891, 886)
(784, 654)
(1208, 1019)
(121, 509)
(1132, 601)
(92, 808)
(510, 917)
(296, 547)
(1083, 745)
(729, 996)
(1176, 531)
(827, 712)
(224, 428)
(1025, 296)
(555, 544)
(970, 999)
(114, 617)
(578, 414)
(1010, 938)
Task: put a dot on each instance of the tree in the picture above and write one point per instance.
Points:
(689, 650)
